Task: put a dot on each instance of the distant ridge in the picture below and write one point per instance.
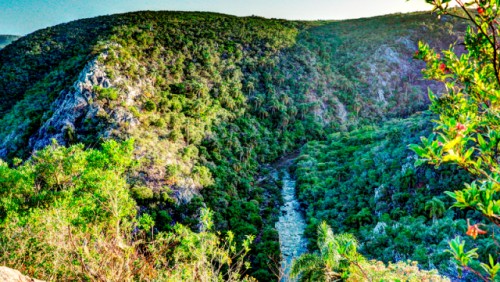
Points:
(7, 39)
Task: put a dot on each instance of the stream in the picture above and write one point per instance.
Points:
(290, 226)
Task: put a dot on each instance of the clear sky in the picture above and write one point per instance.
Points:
(20, 17)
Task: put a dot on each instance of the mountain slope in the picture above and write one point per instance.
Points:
(6, 40)
(208, 99)
(326, 63)
(397, 210)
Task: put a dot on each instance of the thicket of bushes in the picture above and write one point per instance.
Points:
(367, 184)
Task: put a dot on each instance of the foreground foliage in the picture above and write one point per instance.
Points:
(468, 128)
(336, 254)
(67, 214)
(338, 260)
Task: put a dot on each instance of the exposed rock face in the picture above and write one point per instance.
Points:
(71, 106)
(77, 105)
(394, 82)
(12, 275)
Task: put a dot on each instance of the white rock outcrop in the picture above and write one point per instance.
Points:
(71, 105)
(12, 275)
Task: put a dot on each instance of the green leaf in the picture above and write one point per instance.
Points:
(417, 149)
(420, 162)
(481, 142)
(469, 153)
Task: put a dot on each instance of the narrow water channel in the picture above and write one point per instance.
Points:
(290, 226)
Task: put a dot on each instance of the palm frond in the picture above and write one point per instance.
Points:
(306, 263)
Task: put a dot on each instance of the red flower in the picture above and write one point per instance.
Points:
(480, 10)
(473, 230)
(460, 127)
(442, 67)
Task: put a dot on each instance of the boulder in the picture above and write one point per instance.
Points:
(12, 275)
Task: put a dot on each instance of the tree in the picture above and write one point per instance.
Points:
(338, 259)
(435, 207)
(205, 256)
(467, 132)
(336, 254)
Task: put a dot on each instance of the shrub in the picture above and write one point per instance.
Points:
(142, 193)
(150, 106)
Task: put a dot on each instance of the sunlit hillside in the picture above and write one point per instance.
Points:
(153, 144)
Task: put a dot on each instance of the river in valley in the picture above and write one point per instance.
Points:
(290, 226)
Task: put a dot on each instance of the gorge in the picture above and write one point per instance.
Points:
(148, 134)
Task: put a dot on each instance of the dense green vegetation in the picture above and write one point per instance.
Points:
(396, 210)
(209, 99)
(67, 214)
(197, 106)
(338, 259)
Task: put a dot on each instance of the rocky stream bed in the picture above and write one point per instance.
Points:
(290, 226)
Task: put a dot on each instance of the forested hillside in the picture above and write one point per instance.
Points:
(398, 211)
(182, 111)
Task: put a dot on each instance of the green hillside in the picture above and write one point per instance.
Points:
(203, 102)
(397, 210)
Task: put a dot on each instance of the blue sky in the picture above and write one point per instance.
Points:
(21, 17)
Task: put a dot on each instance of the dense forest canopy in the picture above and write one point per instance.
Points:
(143, 144)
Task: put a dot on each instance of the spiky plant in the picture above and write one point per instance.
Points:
(336, 254)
